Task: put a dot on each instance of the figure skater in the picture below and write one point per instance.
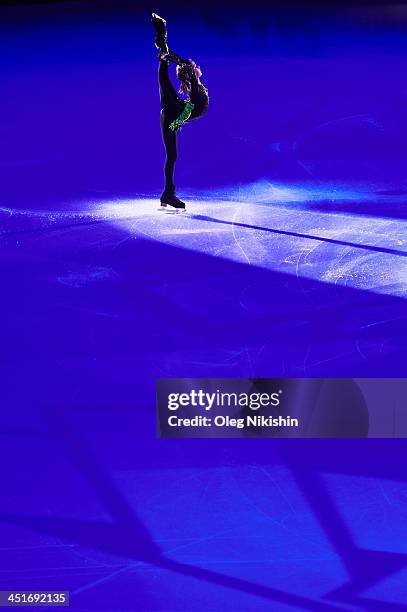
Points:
(175, 110)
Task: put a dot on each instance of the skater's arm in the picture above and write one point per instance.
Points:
(198, 90)
(196, 85)
(194, 82)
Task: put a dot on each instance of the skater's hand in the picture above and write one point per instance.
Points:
(163, 56)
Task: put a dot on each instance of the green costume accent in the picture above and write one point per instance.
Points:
(184, 116)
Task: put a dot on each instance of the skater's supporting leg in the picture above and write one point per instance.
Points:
(171, 106)
(171, 151)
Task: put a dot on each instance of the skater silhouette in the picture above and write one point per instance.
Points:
(175, 110)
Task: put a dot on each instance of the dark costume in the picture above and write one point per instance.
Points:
(174, 110)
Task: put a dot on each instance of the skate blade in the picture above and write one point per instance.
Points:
(172, 211)
(169, 209)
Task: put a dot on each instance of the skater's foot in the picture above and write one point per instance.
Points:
(160, 26)
(158, 21)
(171, 200)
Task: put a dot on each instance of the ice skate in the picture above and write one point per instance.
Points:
(171, 200)
(160, 26)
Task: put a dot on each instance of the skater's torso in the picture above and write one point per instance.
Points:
(199, 98)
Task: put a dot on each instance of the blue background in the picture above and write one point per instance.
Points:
(97, 303)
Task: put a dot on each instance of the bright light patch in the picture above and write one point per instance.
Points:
(265, 191)
(362, 252)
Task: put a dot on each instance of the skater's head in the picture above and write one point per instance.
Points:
(185, 73)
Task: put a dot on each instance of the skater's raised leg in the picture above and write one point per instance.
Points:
(170, 103)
